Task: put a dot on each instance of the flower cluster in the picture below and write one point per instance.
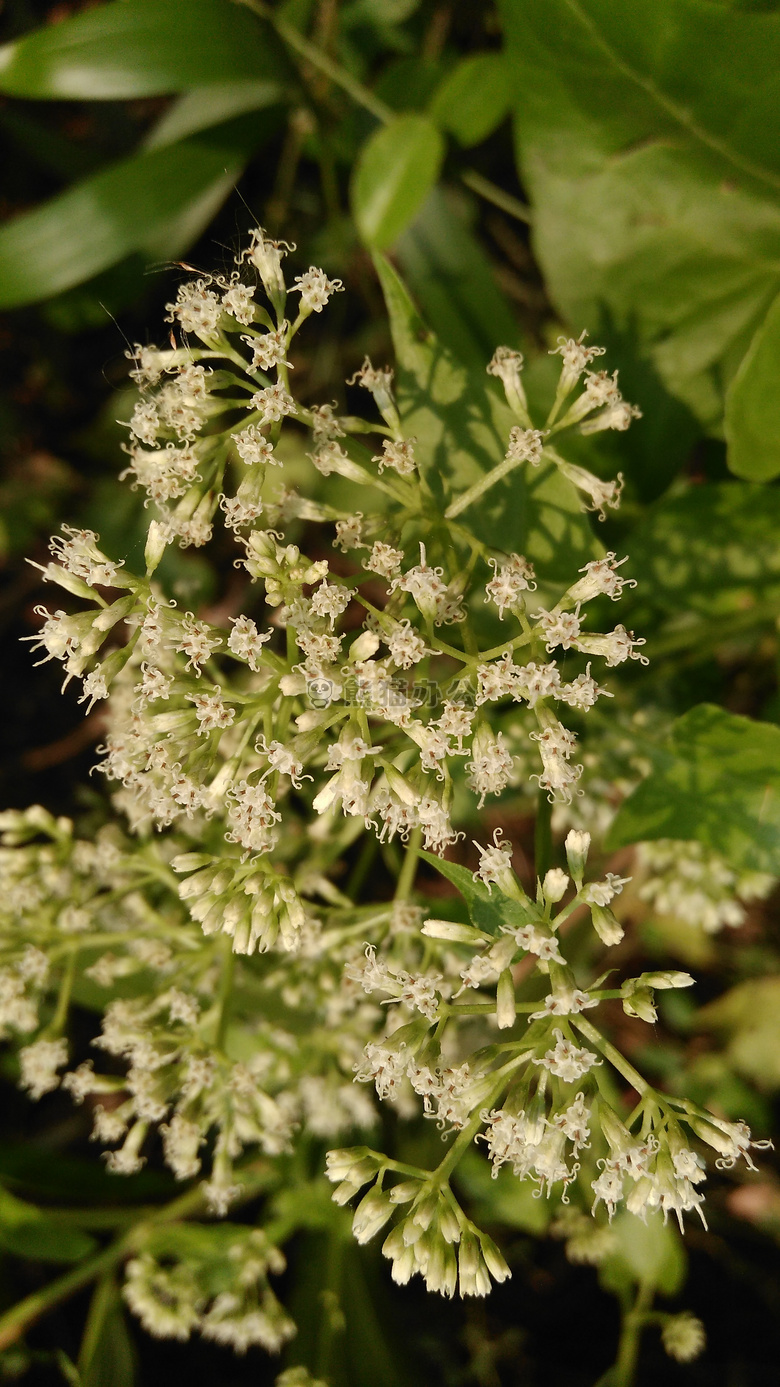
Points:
(351, 691)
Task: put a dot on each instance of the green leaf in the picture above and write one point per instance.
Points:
(450, 275)
(396, 170)
(462, 426)
(713, 550)
(157, 202)
(208, 106)
(718, 782)
(474, 98)
(753, 405)
(749, 1014)
(107, 1355)
(134, 48)
(650, 1252)
(646, 140)
(488, 909)
(26, 1231)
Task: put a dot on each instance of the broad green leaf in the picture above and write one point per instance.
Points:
(156, 202)
(106, 1355)
(132, 48)
(450, 275)
(749, 1015)
(208, 106)
(652, 1252)
(646, 140)
(753, 405)
(713, 550)
(718, 782)
(462, 426)
(27, 1231)
(396, 170)
(474, 98)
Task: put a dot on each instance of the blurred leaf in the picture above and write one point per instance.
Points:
(156, 202)
(50, 1174)
(646, 139)
(462, 426)
(408, 83)
(504, 1199)
(718, 782)
(712, 549)
(650, 1252)
(753, 405)
(396, 170)
(451, 276)
(474, 98)
(207, 106)
(106, 1358)
(26, 1231)
(339, 1303)
(133, 48)
(749, 1014)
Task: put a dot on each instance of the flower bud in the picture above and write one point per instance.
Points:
(554, 885)
(505, 1001)
(156, 543)
(577, 848)
(607, 926)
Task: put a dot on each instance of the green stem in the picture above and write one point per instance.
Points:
(225, 994)
(19, 1318)
(497, 474)
(618, 1061)
(57, 1023)
(314, 55)
(491, 193)
(408, 871)
(624, 1372)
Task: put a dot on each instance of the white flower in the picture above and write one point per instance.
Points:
(576, 357)
(603, 892)
(525, 445)
(397, 454)
(559, 628)
(315, 289)
(272, 403)
(509, 581)
(601, 576)
(567, 1061)
(384, 559)
(617, 646)
(39, 1063)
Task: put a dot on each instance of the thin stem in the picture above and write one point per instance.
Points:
(57, 1023)
(497, 474)
(499, 198)
(314, 55)
(408, 872)
(618, 1061)
(634, 1320)
(225, 993)
(543, 835)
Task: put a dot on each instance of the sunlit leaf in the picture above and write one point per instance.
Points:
(646, 140)
(155, 202)
(395, 172)
(462, 427)
(133, 48)
(753, 405)
(718, 782)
